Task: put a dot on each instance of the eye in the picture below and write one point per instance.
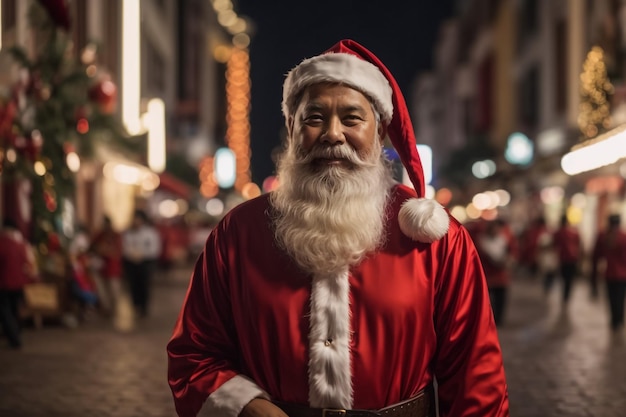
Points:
(352, 119)
(313, 118)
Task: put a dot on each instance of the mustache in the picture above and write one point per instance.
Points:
(330, 152)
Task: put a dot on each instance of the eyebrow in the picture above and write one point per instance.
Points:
(346, 109)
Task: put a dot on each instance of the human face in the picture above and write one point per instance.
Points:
(334, 115)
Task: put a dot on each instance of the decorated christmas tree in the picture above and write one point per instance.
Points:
(60, 105)
(595, 88)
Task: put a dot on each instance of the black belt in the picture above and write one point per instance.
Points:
(420, 405)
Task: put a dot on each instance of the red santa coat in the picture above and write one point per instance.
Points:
(406, 314)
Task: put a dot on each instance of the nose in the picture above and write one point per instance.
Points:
(333, 134)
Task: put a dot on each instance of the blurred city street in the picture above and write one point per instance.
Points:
(555, 366)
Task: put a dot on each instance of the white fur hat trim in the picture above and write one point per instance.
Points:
(423, 219)
(339, 68)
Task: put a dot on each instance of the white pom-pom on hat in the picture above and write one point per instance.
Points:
(421, 219)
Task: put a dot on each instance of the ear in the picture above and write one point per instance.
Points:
(289, 126)
(382, 131)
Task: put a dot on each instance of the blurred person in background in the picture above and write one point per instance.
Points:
(141, 247)
(83, 286)
(497, 250)
(106, 246)
(17, 268)
(531, 247)
(568, 246)
(610, 247)
(547, 259)
(342, 290)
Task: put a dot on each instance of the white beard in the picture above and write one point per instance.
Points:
(329, 218)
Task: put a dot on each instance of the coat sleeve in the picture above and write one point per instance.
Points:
(469, 367)
(203, 350)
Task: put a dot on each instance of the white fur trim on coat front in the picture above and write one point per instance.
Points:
(330, 378)
(231, 397)
(423, 220)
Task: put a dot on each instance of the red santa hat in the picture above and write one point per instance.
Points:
(349, 63)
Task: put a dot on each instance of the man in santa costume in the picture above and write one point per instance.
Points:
(341, 293)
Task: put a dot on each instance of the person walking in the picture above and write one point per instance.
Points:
(610, 247)
(341, 293)
(17, 268)
(547, 259)
(496, 250)
(141, 247)
(106, 247)
(568, 246)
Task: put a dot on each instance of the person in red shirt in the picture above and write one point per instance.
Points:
(610, 246)
(106, 245)
(568, 246)
(17, 268)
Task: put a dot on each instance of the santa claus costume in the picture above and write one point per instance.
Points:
(254, 324)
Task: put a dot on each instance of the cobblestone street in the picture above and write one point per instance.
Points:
(557, 364)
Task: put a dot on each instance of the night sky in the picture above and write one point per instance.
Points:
(400, 33)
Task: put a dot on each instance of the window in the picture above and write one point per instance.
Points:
(528, 22)
(560, 75)
(8, 15)
(155, 70)
(529, 99)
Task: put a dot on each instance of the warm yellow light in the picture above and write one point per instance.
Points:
(472, 211)
(226, 17)
(150, 181)
(481, 201)
(73, 161)
(604, 150)
(551, 195)
(250, 190)
(131, 65)
(168, 209)
(220, 5)
(221, 53)
(241, 40)
(238, 26)
(504, 197)
(215, 207)
(459, 213)
(154, 122)
(40, 168)
(238, 103)
(131, 175)
(183, 206)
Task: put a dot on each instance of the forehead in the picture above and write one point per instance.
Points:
(329, 93)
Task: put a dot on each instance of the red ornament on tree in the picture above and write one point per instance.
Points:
(50, 201)
(54, 243)
(104, 94)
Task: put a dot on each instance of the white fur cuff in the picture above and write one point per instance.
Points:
(229, 399)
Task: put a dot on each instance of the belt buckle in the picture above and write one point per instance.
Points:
(333, 412)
